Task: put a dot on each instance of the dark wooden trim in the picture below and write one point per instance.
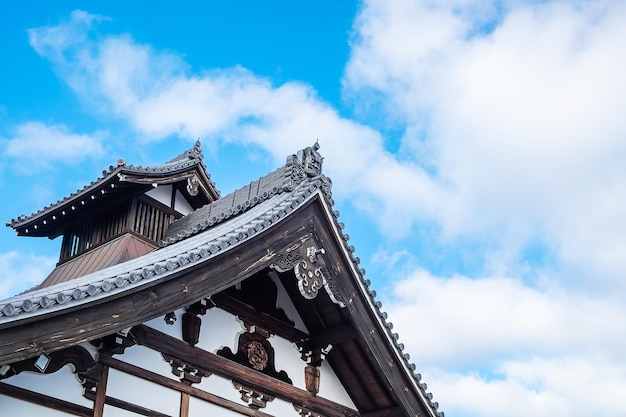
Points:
(125, 405)
(171, 346)
(389, 412)
(334, 336)
(179, 386)
(184, 405)
(44, 400)
(101, 390)
(35, 335)
(373, 340)
(173, 197)
(132, 212)
(260, 318)
(157, 204)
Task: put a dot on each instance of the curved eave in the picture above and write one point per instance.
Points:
(381, 341)
(49, 221)
(136, 291)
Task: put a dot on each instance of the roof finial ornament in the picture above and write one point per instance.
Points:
(196, 151)
(311, 160)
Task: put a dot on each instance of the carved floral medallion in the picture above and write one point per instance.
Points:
(257, 355)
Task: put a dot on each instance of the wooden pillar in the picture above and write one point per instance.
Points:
(101, 391)
(184, 404)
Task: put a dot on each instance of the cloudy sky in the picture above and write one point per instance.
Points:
(477, 151)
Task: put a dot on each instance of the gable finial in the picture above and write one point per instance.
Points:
(307, 163)
(311, 160)
(196, 151)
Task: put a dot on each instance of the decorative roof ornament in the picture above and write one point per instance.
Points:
(307, 163)
(310, 270)
(194, 153)
(311, 160)
(192, 185)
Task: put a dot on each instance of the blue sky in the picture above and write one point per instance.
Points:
(477, 151)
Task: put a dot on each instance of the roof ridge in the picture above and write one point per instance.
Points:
(299, 168)
(194, 153)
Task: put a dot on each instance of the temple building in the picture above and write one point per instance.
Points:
(171, 300)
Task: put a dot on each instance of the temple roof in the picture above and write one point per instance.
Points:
(226, 223)
(121, 178)
(284, 179)
(211, 232)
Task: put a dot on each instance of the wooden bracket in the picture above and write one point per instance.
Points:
(187, 373)
(253, 398)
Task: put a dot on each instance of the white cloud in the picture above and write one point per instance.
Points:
(41, 145)
(522, 123)
(155, 94)
(567, 387)
(464, 321)
(550, 387)
(22, 271)
(485, 344)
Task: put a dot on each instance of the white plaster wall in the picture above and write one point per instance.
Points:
(330, 387)
(181, 205)
(221, 329)
(138, 391)
(283, 301)
(162, 193)
(62, 384)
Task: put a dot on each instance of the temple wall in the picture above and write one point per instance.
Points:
(219, 329)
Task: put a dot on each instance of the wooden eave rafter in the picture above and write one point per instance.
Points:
(50, 221)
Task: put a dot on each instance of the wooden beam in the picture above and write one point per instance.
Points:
(171, 346)
(262, 319)
(179, 386)
(101, 390)
(379, 351)
(184, 404)
(125, 405)
(44, 400)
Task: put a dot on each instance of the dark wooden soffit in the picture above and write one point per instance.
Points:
(383, 365)
(30, 337)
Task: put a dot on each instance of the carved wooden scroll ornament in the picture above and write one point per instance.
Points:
(310, 270)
